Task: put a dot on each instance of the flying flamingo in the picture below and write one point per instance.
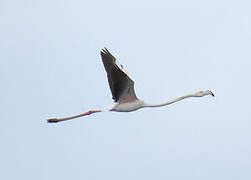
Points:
(122, 89)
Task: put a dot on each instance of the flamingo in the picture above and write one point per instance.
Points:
(122, 89)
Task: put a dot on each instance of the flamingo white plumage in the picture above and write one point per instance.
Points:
(122, 89)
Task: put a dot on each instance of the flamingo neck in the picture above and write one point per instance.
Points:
(169, 102)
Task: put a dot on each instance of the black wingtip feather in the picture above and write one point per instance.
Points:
(105, 51)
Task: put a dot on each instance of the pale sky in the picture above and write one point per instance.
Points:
(50, 66)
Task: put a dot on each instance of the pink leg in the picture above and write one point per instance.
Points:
(72, 117)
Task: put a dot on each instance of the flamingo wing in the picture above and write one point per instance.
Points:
(121, 85)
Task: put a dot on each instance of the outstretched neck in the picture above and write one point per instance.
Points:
(169, 102)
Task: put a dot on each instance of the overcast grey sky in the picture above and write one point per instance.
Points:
(50, 66)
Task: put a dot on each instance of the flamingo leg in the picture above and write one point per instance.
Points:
(55, 120)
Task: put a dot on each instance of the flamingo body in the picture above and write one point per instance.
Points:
(127, 107)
